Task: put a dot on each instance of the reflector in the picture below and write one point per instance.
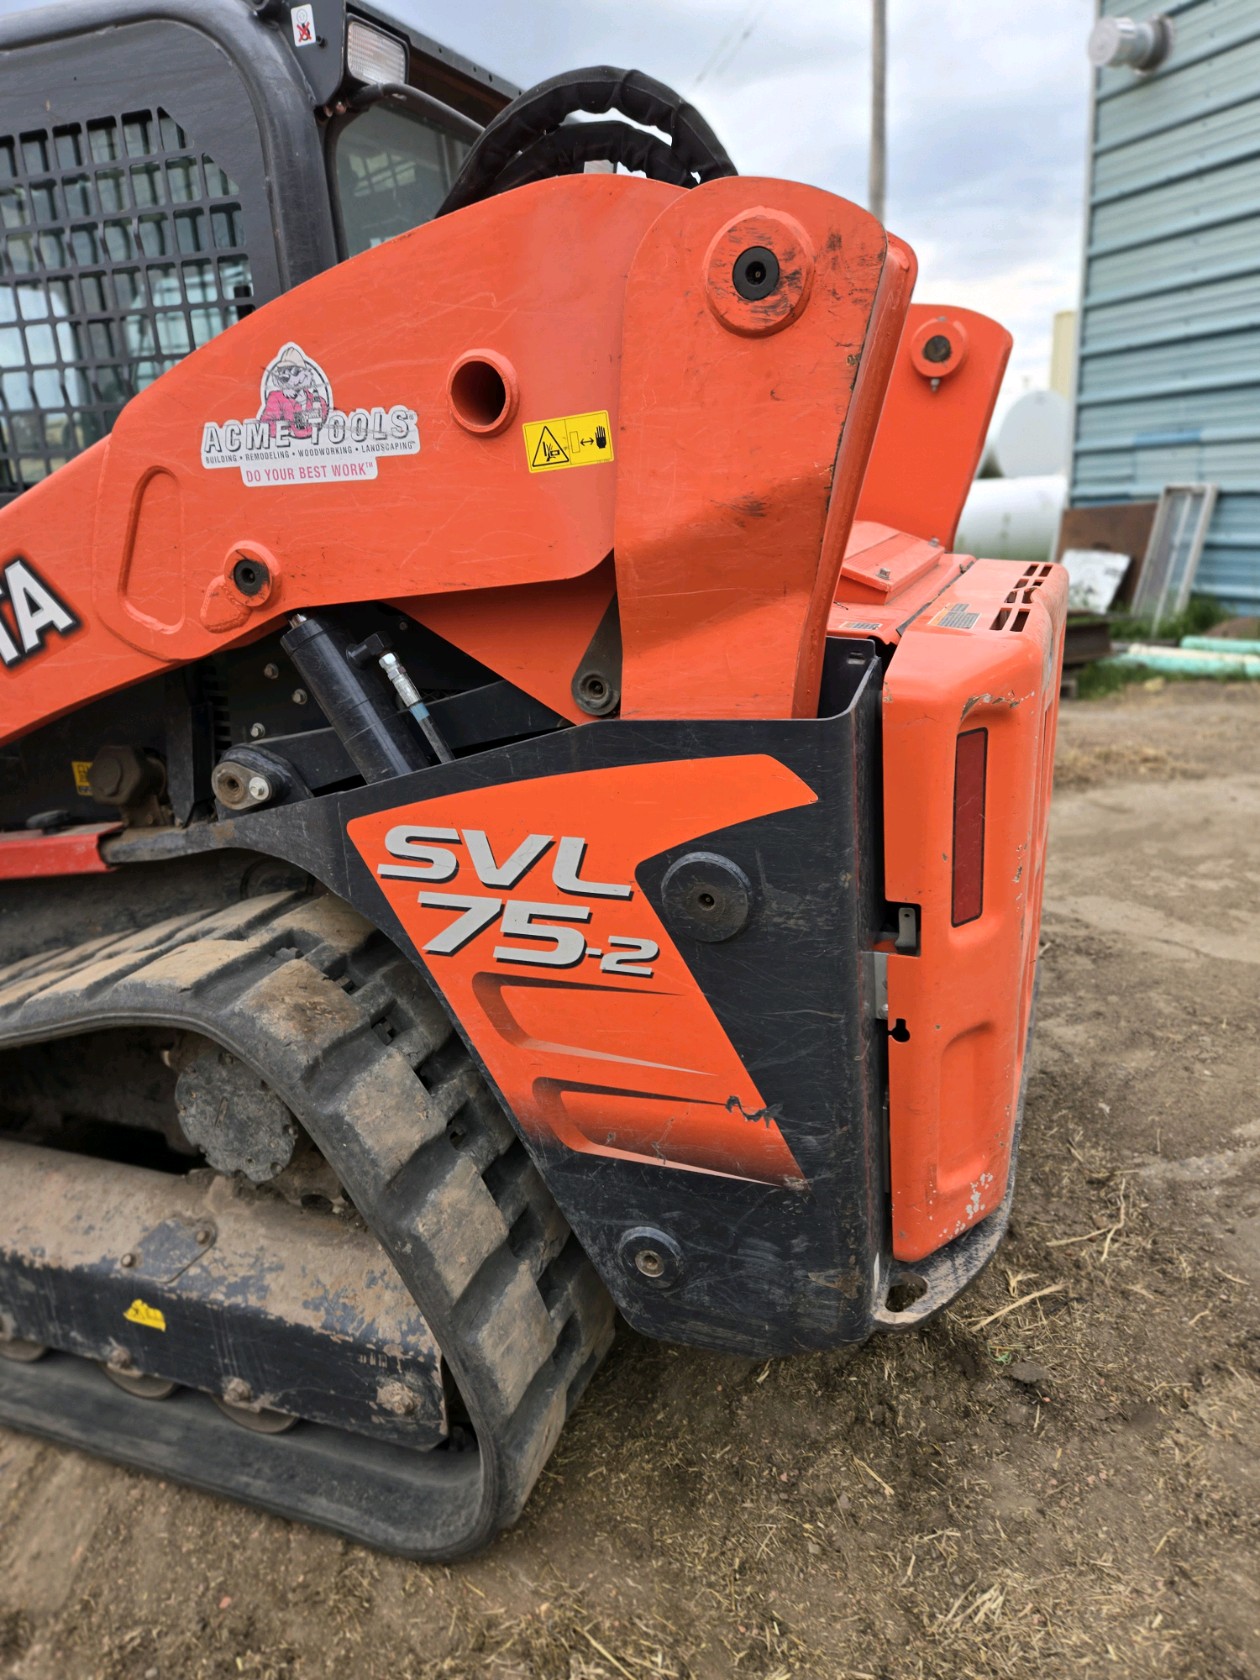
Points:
(970, 770)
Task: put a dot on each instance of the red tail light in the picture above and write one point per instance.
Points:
(970, 773)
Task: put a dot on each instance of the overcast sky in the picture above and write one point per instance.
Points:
(987, 105)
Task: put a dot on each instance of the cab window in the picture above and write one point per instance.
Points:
(392, 173)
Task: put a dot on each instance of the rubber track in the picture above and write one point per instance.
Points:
(345, 1029)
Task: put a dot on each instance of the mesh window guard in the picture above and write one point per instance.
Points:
(123, 248)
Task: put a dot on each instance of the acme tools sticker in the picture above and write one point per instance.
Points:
(575, 440)
(300, 436)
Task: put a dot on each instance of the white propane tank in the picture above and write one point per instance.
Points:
(1012, 518)
(1034, 437)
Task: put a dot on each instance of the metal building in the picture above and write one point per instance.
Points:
(1168, 383)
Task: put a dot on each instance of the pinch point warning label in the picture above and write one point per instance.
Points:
(574, 440)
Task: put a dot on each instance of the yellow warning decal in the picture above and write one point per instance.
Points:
(81, 768)
(140, 1313)
(575, 440)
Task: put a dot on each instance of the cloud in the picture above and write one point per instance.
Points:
(987, 107)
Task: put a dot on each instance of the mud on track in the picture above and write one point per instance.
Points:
(1069, 1489)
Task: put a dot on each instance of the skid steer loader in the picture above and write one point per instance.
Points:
(511, 810)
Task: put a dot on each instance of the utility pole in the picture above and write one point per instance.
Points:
(879, 74)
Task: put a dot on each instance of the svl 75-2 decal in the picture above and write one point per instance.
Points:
(555, 944)
(523, 903)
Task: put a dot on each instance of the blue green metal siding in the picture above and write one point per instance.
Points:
(1168, 382)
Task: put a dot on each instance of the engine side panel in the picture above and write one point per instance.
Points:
(980, 666)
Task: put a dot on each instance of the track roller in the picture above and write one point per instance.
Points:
(20, 1352)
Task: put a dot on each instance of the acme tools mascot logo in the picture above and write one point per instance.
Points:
(300, 436)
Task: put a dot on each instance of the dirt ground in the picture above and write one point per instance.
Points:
(1064, 1487)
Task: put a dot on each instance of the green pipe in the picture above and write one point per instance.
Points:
(1220, 644)
(1186, 662)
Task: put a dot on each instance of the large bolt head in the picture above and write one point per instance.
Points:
(122, 775)
(651, 1257)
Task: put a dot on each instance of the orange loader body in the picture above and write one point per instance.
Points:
(741, 933)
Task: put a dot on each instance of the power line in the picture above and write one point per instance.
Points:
(727, 49)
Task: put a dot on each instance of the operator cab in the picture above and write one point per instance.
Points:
(165, 169)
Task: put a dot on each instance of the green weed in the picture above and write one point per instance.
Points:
(1198, 615)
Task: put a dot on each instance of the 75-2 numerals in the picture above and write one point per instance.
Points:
(555, 943)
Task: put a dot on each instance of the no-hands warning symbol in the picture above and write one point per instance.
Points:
(574, 440)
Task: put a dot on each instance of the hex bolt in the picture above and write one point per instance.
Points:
(128, 1260)
(259, 788)
(120, 1360)
(108, 778)
(204, 1235)
(300, 697)
(652, 1256)
(272, 671)
(237, 1392)
(257, 731)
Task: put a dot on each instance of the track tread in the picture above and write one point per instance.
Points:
(298, 988)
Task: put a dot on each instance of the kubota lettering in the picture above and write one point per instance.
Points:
(36, 610)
